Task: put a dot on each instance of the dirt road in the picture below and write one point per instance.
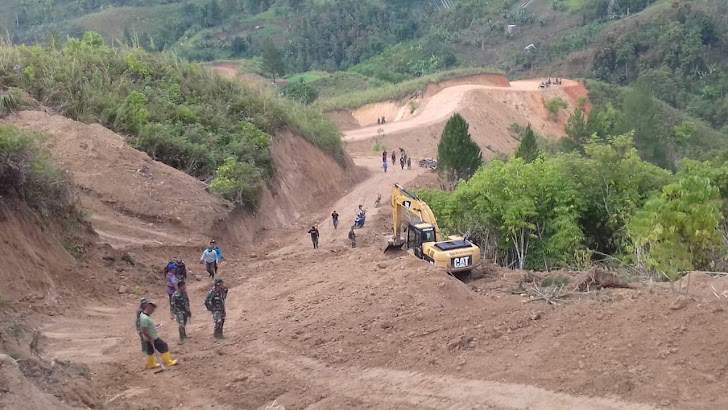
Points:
(443, 104)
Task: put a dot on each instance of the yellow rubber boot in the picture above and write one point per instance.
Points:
(151, 363)
(168, 360)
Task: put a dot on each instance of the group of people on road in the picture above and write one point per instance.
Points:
(380, 120)
(404, 159)
(179, 306)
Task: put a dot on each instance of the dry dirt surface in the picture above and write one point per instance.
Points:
(339, 328)
(490, 104)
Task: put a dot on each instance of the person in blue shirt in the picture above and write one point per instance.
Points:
(217, 251)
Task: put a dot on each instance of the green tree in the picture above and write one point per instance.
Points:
(458, 156)
(527, 149)
(577, 132)
(273, 60)
(677, 230)
(239, 182)
(301, 92)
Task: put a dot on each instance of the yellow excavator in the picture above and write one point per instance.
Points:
(423, 238)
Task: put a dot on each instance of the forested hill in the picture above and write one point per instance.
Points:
(677, 50)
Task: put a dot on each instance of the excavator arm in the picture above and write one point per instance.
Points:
(405, 202)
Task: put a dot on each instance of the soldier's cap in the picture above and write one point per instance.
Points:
(144, 301)
(171, 266)
(218, 282)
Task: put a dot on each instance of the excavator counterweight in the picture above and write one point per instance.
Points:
(422, 236)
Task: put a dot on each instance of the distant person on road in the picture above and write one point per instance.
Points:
(314, 236)
(379, 121)
(181, 310)
(140, 310)
(215, 303)
(209, 258)
(384, 165)
(394, 158)
(401, 162)
(383, 120)
(384, 156)
(153, 341)
(352, 237)
(409, 163)
(335, 219)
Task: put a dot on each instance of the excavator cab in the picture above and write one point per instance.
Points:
(417, 234)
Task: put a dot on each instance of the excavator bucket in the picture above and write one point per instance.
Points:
(392, 245)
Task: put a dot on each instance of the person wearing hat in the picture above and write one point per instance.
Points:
(171, 278)
(181, 310)
(150, 336)
(215, 303)
(139, 311)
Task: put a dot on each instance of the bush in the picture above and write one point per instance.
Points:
(9, 102)
(556, 104)
(28, 173)
(239, 182)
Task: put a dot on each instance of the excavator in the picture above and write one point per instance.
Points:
(423, 237)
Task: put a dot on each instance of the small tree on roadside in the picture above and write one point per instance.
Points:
(458, 156)
(273, 63)
(527, 149)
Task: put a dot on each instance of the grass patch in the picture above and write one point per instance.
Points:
(394, 91)
(307, 77)
(181, 114)
(28, 173)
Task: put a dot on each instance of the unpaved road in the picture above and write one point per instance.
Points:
(332, 328)
(258, 353)
(442, 105)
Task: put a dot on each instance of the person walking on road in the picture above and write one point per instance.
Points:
(409, 163)
(384, 165)
(181, 310)
(352, 237)
(394, 158)
(152, 339)
(314, 236)
(209, 258)
(335, 219)
(401, 162)
(384, 156)
(218, 252)
(140, 310)
(215, 303)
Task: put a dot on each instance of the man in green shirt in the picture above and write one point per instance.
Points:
(149, 334)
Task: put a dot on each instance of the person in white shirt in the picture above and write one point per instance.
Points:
(210, 258)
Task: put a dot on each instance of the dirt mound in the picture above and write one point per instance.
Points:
(132, 199)
(17, 392)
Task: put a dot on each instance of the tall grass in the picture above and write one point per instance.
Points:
(394, 91)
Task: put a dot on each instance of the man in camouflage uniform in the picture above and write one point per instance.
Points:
(215, 303)
(139, 311)
(181, 310)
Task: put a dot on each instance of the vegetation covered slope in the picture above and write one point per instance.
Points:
(179, 113)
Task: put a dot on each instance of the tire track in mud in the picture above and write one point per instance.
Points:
(388, 387)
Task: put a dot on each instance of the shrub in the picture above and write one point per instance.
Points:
(28, 173)
(239, 182)
(9, 102)
(555, 104)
